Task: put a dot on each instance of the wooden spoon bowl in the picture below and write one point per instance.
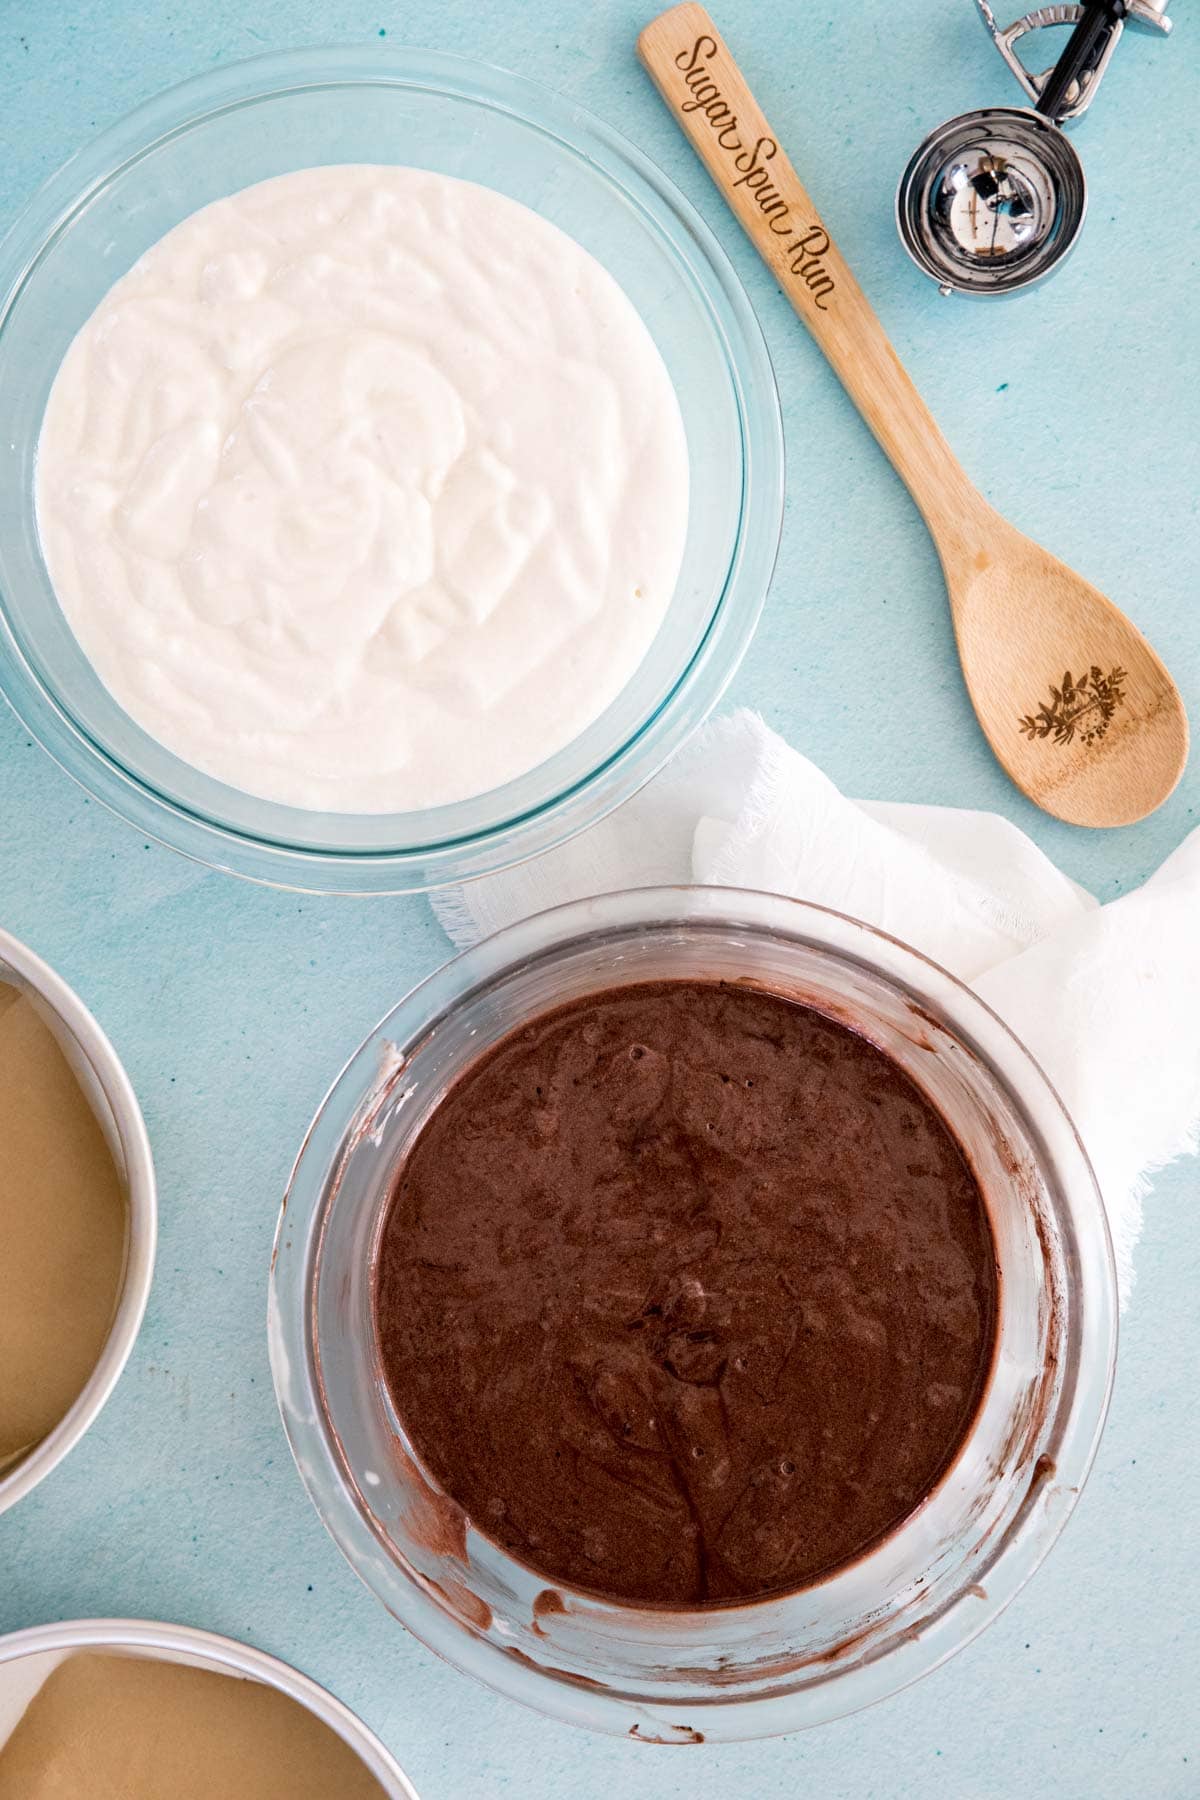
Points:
(1076, 705)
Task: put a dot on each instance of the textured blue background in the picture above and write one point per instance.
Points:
(1078, 409)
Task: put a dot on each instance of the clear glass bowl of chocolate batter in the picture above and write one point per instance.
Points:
(246, 122)
(738, 1668)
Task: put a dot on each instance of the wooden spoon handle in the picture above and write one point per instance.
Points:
(704, 88)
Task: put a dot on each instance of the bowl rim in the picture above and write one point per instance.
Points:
(225, 1655)
(865, 1675)
(142, 1237)
(695, 690)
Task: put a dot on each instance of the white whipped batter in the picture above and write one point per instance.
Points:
(365, 490)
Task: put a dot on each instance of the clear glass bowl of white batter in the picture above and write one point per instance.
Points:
(663, 1673)
(271, 115)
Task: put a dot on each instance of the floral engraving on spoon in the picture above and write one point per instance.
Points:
(1082, 708)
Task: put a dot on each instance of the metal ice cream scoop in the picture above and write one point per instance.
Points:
(993, 200)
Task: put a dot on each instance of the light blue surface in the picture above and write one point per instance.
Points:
(1078, 408)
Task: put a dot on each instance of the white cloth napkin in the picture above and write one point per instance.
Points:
(1107, 998)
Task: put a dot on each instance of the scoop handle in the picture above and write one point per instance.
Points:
(702, 85)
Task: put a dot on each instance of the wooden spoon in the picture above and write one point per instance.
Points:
(1074, 702)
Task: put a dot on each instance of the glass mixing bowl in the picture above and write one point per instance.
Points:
(273, 114)
(670, 1674)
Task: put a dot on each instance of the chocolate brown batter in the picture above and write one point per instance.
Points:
(686, 1293)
